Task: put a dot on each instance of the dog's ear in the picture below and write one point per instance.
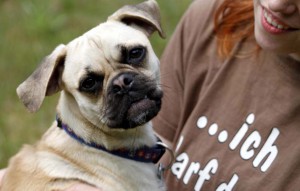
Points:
(144, 16)
(44, 81)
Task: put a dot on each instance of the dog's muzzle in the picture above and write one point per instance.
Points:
(132, 99)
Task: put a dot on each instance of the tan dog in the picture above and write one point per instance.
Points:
(109, 83)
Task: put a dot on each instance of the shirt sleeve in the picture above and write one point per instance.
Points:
(190, 35)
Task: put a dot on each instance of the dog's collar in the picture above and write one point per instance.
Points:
(144, 154)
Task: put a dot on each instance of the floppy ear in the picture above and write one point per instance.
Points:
(44, 80)
(144, 16)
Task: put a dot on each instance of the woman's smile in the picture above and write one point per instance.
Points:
(272, 24)
(277, 26)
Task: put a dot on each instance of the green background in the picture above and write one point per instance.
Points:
(30, 30)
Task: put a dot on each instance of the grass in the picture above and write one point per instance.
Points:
(30, 29)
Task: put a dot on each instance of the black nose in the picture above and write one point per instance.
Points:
(122, 83)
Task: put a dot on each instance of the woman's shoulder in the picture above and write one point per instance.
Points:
(198, 20)
(201, 9)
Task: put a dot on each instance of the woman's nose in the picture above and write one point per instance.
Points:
(285, 7)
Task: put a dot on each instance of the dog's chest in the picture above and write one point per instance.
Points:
(99, 168)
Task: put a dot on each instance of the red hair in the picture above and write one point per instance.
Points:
(234, 21)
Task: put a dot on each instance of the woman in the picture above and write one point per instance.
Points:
(231, 109)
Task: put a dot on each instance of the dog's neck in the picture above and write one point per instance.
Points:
(109, 138)
(143, 154)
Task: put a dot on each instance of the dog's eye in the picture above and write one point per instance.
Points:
(136, 55)
(91, 84)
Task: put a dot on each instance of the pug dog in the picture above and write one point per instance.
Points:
(108, 80)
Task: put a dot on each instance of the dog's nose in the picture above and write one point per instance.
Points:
(123, 83)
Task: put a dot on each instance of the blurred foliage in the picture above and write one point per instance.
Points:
(30, 30)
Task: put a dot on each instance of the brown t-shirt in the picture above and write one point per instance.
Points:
(235, 124)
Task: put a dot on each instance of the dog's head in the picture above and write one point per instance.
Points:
(109, 75)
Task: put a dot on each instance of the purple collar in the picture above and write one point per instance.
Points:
(144, 154)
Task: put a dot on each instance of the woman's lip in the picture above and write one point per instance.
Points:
(274, 18)
(272, 24)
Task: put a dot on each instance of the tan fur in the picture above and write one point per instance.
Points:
(58, 161)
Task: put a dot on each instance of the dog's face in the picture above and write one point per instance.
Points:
(110, 74)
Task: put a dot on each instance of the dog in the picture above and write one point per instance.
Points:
(108, 80)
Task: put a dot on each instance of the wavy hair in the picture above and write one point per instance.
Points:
(234, 21)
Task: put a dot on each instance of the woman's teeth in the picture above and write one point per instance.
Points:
(272, 22)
